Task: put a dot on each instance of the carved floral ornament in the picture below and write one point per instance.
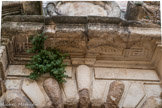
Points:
(89, 8)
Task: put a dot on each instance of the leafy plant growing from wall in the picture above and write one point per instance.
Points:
(45, 60)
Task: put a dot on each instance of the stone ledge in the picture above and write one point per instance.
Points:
(78, 20)
(24, 18)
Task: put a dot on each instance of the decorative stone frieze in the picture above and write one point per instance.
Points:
(85, 38)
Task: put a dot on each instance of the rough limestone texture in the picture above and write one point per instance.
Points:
(52, 89)
(16, 99)
(2, 100)
(32, 90)
(148, 11)
(107, 39)
(84, 100)
(32, 7)
(153, 102)
(114, 95)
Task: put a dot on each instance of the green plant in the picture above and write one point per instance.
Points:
(46, 60)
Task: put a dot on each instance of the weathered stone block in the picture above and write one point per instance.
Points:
(16, 99)
(71, 93)
(32, 7)
(134, 12)
(52, 89)
(145, 11)
(18, 70)
(99, 92)
(136, 93)
(115, 93)
(84, 77)
(32, 90)
(13, 83)
(84, 98)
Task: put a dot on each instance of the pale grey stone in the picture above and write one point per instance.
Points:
(32, 90)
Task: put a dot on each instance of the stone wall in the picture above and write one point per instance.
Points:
(89, 40)
(113, 63)
(86, 87)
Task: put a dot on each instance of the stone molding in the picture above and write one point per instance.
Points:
(89, 40)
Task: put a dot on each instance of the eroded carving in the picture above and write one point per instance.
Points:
(99, 8)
